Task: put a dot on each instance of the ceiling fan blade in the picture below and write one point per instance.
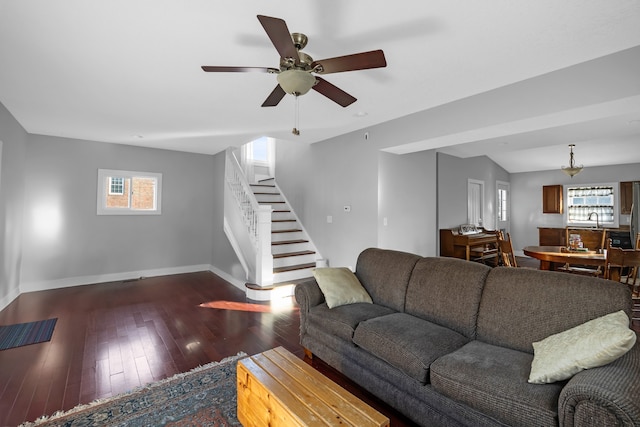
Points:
(280, 36)
(216, 69)
(334, 93)
(275, 97)
(357, 61)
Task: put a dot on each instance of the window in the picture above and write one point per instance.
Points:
(260, 150)
(588, 205)
(116, 185)
(128, 193)
(502, 204)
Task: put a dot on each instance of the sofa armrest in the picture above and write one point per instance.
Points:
(308, 295)
(608, 395)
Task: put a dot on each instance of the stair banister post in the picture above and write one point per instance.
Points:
(264, 258)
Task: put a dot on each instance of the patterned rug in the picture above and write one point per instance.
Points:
(12, 336)
(205, 396)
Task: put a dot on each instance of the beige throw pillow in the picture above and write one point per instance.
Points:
(340, 286)
(592, 344)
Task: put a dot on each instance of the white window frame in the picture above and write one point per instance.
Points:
(110, 185)
(102, 192)
(590, 224)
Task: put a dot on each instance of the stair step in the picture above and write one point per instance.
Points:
(294, 267)
(271, 203)
(293, 230)
(291, 254)
(289, 242)
(283, 220)
(259, 193)
(263, 185)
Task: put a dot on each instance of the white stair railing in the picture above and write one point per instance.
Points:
(256, 220)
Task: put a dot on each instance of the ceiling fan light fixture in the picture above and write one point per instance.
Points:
(572, 170)
(296, 82)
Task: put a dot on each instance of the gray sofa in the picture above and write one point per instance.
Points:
(449, 342)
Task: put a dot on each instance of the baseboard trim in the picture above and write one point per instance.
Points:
(113, 277)
(8, 299)
(235, 282)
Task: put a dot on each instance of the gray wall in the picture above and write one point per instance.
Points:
(320, 179)
(324, 178)
(526, 197)
(407, 199)
(453, 176)
(61, 180)
(14, 143)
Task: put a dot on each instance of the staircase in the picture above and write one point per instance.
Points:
(294, 256)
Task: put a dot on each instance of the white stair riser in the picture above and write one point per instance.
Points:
(288, 225)
(295, 247)
(281, 215)
(294, 260)
(292, 275)
(269, 198)
(264, 189)
(280, 237)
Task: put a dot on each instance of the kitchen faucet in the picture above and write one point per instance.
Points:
(597, 220)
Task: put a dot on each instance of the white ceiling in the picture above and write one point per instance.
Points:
(128, 71)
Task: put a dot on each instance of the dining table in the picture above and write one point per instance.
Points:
(552, 256)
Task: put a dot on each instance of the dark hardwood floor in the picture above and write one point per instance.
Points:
(113, 337)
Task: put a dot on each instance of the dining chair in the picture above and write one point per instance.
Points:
(505, 247)
(488, 254)
(623, 265)
(593, 240)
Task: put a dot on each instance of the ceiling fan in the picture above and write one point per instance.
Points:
(298, 71)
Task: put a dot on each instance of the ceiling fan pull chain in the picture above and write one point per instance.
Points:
(296, 123)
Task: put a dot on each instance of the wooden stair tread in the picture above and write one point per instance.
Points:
(294, 267)
(289, 242)
(289, 254)
(271, 203)
(265, 194)
(283, 220)
(293, 230)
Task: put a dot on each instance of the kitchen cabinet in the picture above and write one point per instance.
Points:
(626, 197)
(551, 236)
(552, 199)
(556, 236)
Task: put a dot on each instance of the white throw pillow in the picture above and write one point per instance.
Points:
(340, 286)
(592, 344)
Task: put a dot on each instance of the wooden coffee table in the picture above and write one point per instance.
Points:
(276, 388)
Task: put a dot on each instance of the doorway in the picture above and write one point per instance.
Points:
(475, 202)
(503, 206)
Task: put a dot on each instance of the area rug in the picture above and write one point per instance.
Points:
(20, 334)
(205, 396)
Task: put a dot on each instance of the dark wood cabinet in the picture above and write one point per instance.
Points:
(551, 237)
(626, 197)
(552, 199)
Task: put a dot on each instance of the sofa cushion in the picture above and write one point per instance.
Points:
(385, 275)
(447, 291)
(594, 343)
(521, 306)
(342, 321)
(340, 286)
(493, 380)
(406, 342)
